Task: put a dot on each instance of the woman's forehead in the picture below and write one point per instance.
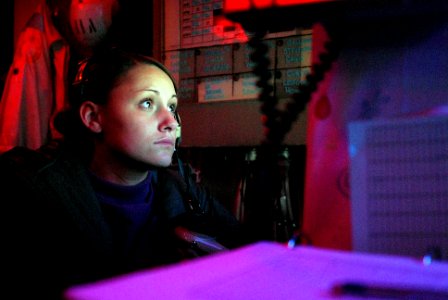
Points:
(145, 77)
(143, 71)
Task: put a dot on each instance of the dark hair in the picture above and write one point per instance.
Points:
(95, 78)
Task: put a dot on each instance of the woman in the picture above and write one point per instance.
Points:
(104, 201)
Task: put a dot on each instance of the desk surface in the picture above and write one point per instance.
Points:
(268, 270)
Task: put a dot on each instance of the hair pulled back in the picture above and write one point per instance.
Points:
(95, 78)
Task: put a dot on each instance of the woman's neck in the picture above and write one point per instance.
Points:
(118, 171)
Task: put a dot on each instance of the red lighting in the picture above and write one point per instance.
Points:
(226, 29)
(241, 5)
(298, 2)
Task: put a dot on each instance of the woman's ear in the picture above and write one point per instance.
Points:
(89, 113)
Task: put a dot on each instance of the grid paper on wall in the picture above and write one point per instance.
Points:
(210, 58)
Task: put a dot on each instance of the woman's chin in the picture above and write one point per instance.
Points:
(164, 160)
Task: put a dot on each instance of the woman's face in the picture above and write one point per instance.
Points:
(138, 123)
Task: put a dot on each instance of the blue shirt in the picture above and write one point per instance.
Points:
(127, 210)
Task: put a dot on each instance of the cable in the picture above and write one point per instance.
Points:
(277, 123)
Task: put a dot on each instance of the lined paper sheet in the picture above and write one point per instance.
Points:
(267, 270)
(399, 183)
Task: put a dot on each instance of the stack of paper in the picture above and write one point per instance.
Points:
(268, 270)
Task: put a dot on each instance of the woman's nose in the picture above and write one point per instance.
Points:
(169, 121)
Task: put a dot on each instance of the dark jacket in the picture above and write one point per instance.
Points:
(54, 234)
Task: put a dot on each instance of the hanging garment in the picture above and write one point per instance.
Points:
(35, 86)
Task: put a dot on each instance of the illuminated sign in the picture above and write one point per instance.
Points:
(241, 5)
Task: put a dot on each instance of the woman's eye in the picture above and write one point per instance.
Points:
(173, 108)
(146, 104)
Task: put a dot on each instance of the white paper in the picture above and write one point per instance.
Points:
(399, 185)
(267, 270)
